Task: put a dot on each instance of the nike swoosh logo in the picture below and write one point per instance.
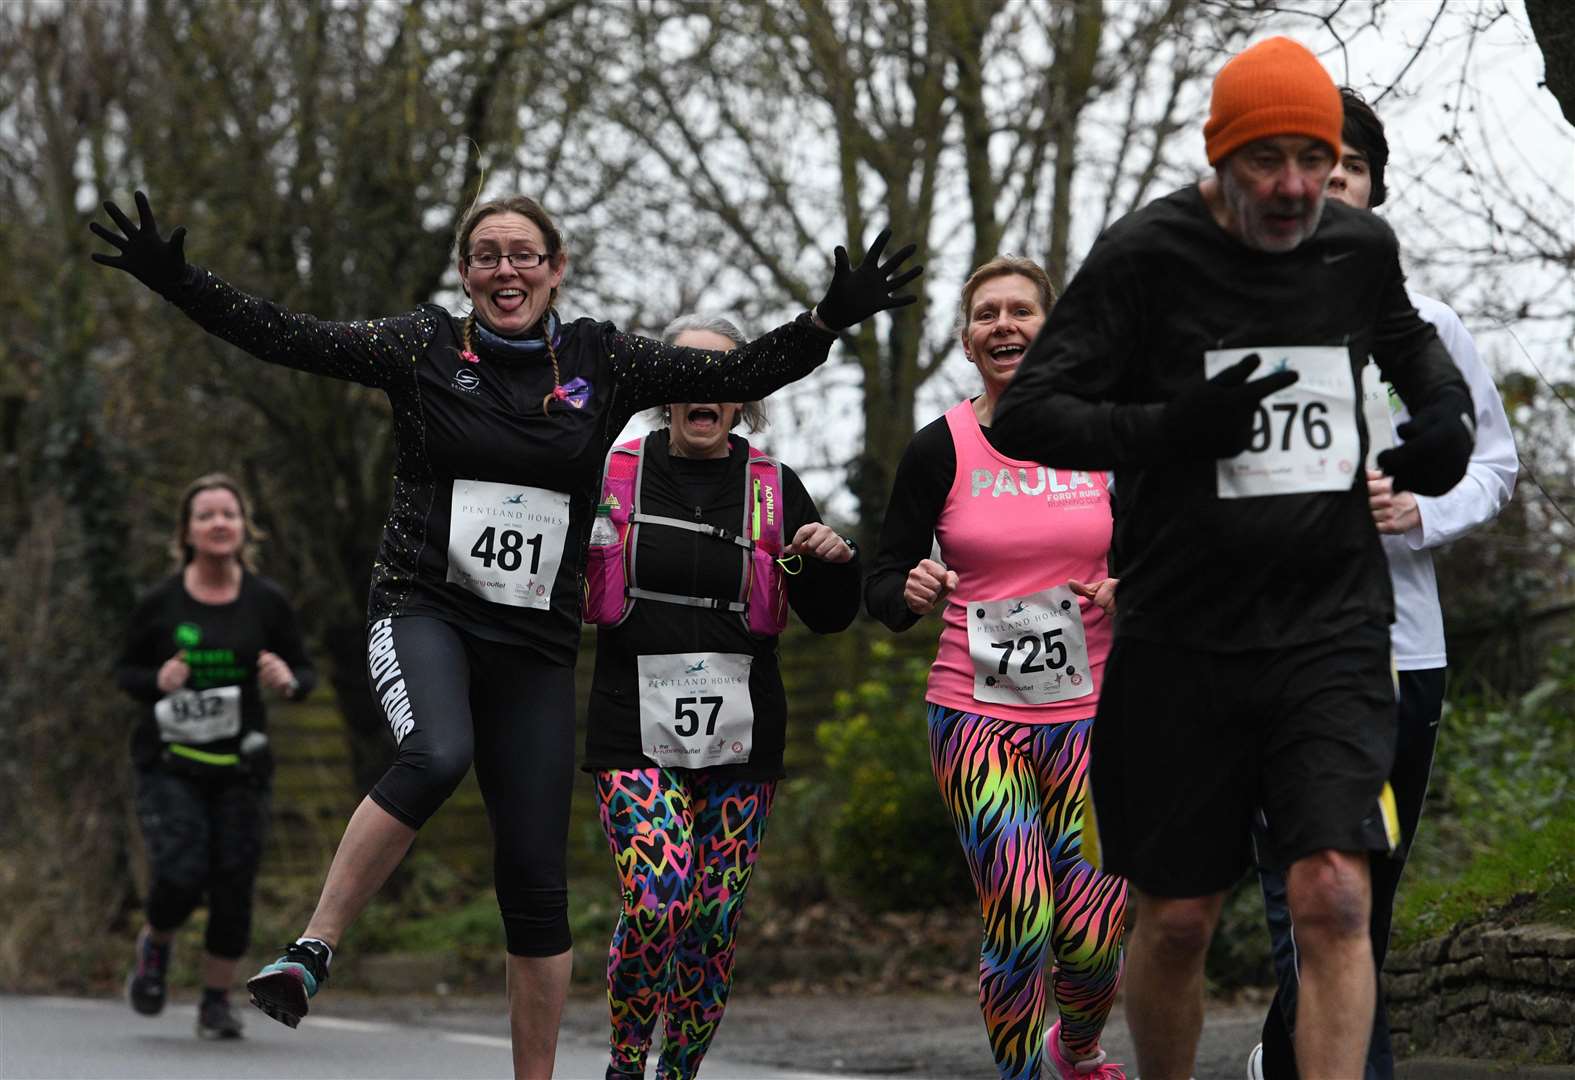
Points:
(1336, 256)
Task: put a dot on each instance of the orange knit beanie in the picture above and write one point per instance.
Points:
(1274, 88)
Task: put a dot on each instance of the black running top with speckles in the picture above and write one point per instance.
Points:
(492, 497)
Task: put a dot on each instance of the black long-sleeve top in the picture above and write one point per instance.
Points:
(456, 421)
(221, 643)
(825, 597)
(907, 534)
(1158, 289)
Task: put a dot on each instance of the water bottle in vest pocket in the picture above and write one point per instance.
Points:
(605, 567)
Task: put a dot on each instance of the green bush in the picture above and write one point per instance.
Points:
(1500, 820)
(891, 842)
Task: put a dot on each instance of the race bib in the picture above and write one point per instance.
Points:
(695, 709)
(1375, 409)
(199, 716)
(505, 541)
(1304, 437)
(1029, 650)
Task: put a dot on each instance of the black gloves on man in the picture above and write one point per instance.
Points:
(1214, 419)
(1439, 439)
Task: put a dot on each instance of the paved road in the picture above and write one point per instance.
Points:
(349, 1037)
(88, 1039)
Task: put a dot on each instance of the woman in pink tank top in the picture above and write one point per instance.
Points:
(1026, 600)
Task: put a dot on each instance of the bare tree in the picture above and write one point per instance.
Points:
(778, 130)
(1553, 23)
(319, 154)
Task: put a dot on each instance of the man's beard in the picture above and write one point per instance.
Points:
(1249, 216)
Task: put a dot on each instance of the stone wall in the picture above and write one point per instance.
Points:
(1485, 992)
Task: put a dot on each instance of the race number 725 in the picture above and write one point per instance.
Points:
(1055, 652)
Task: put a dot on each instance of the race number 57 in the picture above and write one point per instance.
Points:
(1313, 426)
(689, 719)
(1054, 651)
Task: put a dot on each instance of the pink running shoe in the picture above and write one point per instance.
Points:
(1092, 1068)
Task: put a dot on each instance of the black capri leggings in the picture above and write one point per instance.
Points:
(204, 838)
(452, 698)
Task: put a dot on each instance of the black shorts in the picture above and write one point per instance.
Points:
(1188, 744)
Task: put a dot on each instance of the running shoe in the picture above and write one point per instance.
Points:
(216, 1020)
(283, 988)
(1255, 1063)
(1090, 1068)
(145, 987)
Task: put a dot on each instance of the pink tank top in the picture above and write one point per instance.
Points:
(1009, 529)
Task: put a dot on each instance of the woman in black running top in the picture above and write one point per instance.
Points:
(200, 649)
(688, 715)
(502, 419)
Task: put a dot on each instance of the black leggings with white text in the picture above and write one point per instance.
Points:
(453, 699)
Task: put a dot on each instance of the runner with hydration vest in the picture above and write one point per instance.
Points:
(703, 545)
(501, 421)
(1025, 591)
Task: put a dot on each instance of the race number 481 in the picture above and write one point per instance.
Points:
(509, 552)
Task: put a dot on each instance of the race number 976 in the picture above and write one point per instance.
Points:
(1314, 428)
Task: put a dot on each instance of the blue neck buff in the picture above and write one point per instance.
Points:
(517, 346)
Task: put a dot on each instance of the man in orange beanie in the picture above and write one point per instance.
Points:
(1251, 658)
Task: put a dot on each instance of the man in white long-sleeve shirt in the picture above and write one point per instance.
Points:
(1412, 525)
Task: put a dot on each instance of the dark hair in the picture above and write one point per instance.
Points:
(752, 413)
(181, 548)
(1364, 131)
(1004, 266)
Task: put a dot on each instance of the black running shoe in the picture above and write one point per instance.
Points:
(216, 1020)
(145, 987)
(283, 988)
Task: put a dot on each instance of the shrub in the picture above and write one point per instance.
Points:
(890, 839)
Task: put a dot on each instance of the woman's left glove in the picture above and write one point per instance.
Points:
(857, 292)
(158, 263)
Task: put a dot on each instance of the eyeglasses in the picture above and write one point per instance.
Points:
(520, 260)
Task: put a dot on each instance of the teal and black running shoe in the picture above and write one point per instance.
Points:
(283, 988)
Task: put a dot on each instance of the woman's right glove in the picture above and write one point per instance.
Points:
(860, 291)
(158, 263)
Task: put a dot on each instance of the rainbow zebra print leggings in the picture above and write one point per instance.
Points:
(1015, 792)
(685, 844)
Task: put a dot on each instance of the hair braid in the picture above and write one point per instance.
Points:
(552, 354)
(465, 350)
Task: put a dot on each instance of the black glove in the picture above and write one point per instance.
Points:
(1438, 444)
(1214, 419)
(157, 263)
(858, 292)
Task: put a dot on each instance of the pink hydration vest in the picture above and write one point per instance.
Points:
(1011, 528)
(612, 585)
